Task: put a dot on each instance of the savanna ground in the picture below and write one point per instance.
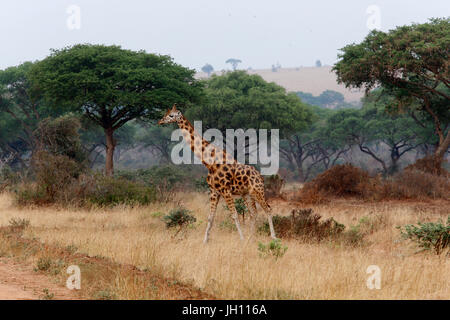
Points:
(159, 265)
(308, 79)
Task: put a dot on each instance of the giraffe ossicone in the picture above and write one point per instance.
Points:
(226, 176)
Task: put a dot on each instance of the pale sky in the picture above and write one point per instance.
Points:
(195, 32)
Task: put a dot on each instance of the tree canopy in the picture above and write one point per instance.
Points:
(208, 69)
(234, 63)
(239, 100)
(112, 86)
(412, 64)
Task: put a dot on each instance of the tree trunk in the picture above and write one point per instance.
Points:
(395, 156)
(443, 147)
(110, 146)
(301, 173)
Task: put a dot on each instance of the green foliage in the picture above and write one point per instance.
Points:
(110, 191)
(21, 108)
(167, 175)
(274, 248)
(201, 185)
(164, 178)
(208, 69)
(47, 294)
(124, 84)
(8, 177)
(112, 86)
(239, 100)
(234, 62)
(327, 99)
(368, 127)
(179, 217)
(228, 224)
(429, 235)
(240, 206)
(60, 137)
(43, 264)
(158, 138)
(411, 64)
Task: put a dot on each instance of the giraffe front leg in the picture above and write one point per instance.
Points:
(214, 199)
(230, 203)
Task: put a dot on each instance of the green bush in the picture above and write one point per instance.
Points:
(179, 217)
(110, 191)
(165, 179)
(60, 136)
(201, 185)
(240, 206)
(273, 248)
(429, 235)
(53, 174)
(28, 194)
(43, 264)
(8, 177)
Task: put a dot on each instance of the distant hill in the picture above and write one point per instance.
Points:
(314, 80)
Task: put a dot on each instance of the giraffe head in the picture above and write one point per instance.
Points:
(172, 115)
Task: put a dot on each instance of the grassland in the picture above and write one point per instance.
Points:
(307, 79)
(231, 269)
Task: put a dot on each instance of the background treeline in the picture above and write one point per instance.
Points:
(68, 121)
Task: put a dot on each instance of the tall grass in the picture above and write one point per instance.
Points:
(231, 269)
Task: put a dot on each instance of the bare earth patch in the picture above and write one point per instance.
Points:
(20, 282)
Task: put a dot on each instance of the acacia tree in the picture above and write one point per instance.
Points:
(21, 109)
(314, 146)
(412, 64)
(234, 63)
(239, 100)
(371, 127)
(208, 69)
(158, 140)
(112, 86)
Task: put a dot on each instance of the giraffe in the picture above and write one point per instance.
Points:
(226, 176)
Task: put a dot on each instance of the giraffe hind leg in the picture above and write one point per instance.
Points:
(259, 197)
(232, 208)
(251, 206)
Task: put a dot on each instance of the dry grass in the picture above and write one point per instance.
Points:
(228, 268)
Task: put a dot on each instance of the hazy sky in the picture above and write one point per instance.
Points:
(194, 32)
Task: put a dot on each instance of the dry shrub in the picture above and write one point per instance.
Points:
(61, 180)
(53, 175)
(273, 185)
(349, 181)
(414, 184)
(311, 195)
(428, 164)
(338, 181)
(304, 224)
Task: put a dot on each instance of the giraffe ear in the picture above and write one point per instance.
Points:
(174, 107)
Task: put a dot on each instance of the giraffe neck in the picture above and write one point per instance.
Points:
(199, 145)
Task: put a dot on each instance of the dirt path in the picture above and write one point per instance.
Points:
(20, 282)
